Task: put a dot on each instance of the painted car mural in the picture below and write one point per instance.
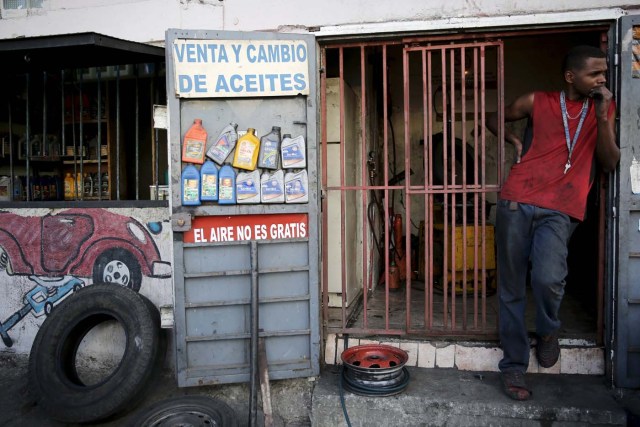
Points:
(94, 243)
(57, 249)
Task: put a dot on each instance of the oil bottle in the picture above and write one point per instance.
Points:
(69, 187)
(272, 187)
(208, 181)
(226, 142)
(293, 152)
(190, 186)
(226, 185)
(247, 148)
(248, 187)
(269, 149)
(195, 141)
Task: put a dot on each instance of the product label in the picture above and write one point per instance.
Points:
(194, 149)
(295, 189)
(245, 153)
(246, 189)
(291, 155)
(271, 189)
(226, 189)
(190, 190)
(269, 154)
(209, 185)
(220, 150)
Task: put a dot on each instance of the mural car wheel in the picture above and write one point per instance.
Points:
(187, 411)
(54, 382)
(5, 262)
(119, 267)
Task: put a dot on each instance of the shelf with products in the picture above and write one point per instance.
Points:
(89, 142)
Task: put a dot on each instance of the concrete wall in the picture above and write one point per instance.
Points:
(38, 273)
(147, 20)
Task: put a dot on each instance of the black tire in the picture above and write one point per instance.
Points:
(127, 270)
(187, 410)
(53, 380)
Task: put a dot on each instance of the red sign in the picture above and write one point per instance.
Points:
(238, 228)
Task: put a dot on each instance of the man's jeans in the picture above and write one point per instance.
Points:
(526, 233)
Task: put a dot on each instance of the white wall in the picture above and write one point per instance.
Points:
(147, 20)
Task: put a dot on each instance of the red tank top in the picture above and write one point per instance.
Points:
(539, 178)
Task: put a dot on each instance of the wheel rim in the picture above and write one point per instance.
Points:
(183, 417)
(117, 272)
(375, 370)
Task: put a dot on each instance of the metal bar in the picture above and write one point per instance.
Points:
(343, 272)
(117, 134)
(445, 301)
(11, 165)
(479, 130)
(463, 105)
(363, 178)
(137, 137)
(81, 146)
(429, 256)
(323, 200)
(385, 174)
(483, 197)
(426, 156)
(99, 177)
(62, 124)
(44, 117)
(28, 139)
(452, 137)
(407, 184)
(156, 133)
(253, 401)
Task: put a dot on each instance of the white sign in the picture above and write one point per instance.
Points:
(240, 68)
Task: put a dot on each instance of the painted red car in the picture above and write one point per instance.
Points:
(94, 243)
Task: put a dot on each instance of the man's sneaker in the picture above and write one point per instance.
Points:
(548, 350)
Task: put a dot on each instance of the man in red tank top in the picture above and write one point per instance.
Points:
(543, 198)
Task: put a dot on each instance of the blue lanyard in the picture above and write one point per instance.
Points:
(571, 143)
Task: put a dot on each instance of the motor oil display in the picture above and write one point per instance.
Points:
(256, 173)
(224, 144)
(195, 141)
(269, 148)
(247, 149)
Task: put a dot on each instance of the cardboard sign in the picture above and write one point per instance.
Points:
(238, 228)
(240, 68)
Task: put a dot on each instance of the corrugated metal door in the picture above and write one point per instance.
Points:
(626, 339)
(225, 256)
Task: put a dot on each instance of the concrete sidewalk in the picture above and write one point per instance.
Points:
(434, 397)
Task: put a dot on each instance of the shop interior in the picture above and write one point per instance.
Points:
(409, 289)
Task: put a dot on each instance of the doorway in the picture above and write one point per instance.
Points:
(411, 180)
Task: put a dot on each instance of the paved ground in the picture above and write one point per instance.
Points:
(433, 397)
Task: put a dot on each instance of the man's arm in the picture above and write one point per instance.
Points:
(520, 108)
(607, 151)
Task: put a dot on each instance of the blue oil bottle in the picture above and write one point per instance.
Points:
(208, 182)
(190, 186)
(227, 185)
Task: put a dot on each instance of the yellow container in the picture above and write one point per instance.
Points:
(467, 235)
(247, 149)
(69, 187)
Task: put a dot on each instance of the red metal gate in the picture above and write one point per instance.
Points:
(434, 275)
